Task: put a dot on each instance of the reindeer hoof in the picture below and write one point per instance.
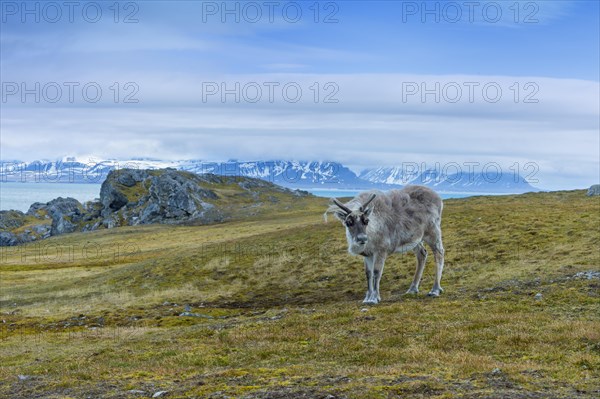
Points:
(412, 291)
(371, 299)
(435, 292)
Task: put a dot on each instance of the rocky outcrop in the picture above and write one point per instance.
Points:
(131, 197)
(594, 190)
(7, 239)
(11, 219)
(9, 222)
(66, 214)
(37, 223)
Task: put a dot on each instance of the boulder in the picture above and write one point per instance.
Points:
(42, 230)
(11, 219)
(131, 177)
(37, 209)
(594, 190)
(12, 233)
(131, 197)
(111, 197)
(7, 239)
(66, 213)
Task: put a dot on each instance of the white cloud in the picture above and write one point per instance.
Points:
(371, 125)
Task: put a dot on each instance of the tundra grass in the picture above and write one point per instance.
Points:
(275, 309)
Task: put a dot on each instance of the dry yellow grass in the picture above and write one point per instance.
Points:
(279, 312)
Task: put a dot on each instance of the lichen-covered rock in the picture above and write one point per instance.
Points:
(92, 210)
(37, 209)
(42, 231)
(134, 197)
(11, 219)
(111, 197)
(66, 213)
(594, 190)
(7, 239)
(12, 231)
(131, 177)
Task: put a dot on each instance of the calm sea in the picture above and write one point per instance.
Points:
(351, 193)
(20, 196)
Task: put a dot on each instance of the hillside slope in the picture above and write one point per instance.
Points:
(130, 197)
(270, 307)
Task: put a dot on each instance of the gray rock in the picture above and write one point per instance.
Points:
(159, 394)
(136, 392)
(145, 197)
(132, 177)
(594, 190)
(301, 193)
(588, 275)
(111, 197)
(36, 208)
(538, 296)
(91, 226)
(92, 210)
(66, 213)
(25, 237)
(7, 239)
(11, 219)
(190, 314)
(151, 212)
(111, 222)
(42, 230)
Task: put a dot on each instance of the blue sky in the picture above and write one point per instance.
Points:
(364, 55)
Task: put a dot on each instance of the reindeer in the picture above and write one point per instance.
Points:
(379, 224)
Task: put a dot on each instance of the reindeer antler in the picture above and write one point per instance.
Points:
(364, 206)
(342, 206)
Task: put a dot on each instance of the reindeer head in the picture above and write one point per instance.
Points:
(356, 224)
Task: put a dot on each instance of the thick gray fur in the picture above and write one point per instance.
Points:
(394, 221)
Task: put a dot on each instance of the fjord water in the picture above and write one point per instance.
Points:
(20, 196)
(341, 193)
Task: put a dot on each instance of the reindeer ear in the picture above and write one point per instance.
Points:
(367, 211)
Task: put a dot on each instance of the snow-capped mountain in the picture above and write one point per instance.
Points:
(290, 173)
(293, 174)
(285, 173)
(491, 180)
(71, 169)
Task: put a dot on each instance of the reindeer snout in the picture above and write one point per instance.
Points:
(361, 239)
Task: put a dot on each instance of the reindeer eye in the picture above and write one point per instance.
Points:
(365, 221)
(349, 222)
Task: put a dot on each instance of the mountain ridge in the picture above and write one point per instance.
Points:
(287, 173)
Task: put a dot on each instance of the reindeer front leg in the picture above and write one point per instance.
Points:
(379, 263)
(373, 269)
(370, 283)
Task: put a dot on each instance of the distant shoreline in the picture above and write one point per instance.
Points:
(20, 195)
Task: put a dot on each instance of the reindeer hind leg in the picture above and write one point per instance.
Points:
(421, 254)
(438, 253)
